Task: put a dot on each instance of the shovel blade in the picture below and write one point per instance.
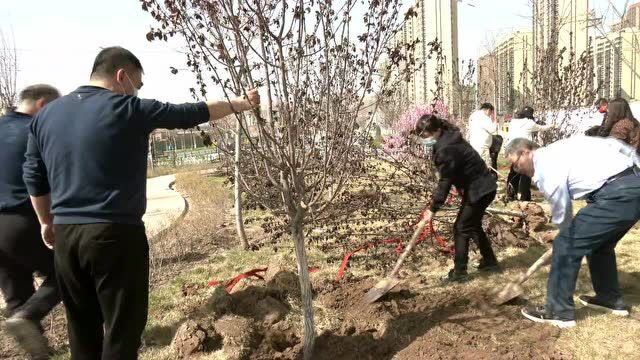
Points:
(511, 291)
(381, 288)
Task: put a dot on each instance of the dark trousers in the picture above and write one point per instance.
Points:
(518, 184)
(594, 233)
(468, 225)
(22, 253)
(103, 272)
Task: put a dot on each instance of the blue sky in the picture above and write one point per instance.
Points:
(58, 40)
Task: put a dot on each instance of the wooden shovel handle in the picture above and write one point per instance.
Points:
(406, 251)
(543, 260)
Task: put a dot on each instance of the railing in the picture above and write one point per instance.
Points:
(185, 157)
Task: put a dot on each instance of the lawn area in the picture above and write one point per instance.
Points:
(419, 319)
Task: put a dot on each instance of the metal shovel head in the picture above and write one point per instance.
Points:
(381, 288)
(511, 291)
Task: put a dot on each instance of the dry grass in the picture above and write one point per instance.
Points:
(204, 231)
(203, 247)
(597, 336)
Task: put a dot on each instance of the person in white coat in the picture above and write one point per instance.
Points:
(522, 126)
(482, 126)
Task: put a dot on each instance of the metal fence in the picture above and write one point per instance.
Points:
(184, 157)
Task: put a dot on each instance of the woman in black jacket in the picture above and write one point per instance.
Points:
(460, 165)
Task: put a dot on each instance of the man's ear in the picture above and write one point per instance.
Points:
(40, 103)
(120, 75)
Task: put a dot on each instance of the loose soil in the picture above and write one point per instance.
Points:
(443, 323)
(436, 323)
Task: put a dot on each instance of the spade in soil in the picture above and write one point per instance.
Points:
(384, 286)
(514, 289)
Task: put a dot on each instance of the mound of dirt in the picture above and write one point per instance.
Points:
(270, 310)
(239, 336)
(505, 234)
(192, 338)
(250, 323)
(443, 324)
(534, 217)
(281, 276)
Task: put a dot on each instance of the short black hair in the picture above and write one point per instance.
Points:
(486, 106)
(431, 123)
(594, 131)
(526, 113)
(39, 91)
(110, 59)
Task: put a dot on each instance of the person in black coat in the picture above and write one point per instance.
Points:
(460, 165)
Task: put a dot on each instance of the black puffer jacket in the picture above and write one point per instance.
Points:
(460, 165)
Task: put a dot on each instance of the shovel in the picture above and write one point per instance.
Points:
(514, 289)
(383, 286)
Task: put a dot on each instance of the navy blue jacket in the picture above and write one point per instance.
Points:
(14, 132)
(92, 147)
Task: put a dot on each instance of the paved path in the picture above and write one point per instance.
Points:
(164, 206)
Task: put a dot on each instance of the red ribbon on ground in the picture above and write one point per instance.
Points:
(442, 244)
(251, 273)
(234, 281)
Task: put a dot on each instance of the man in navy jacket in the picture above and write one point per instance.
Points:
(22, 251)
(87, 161)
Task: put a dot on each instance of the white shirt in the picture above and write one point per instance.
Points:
(524, 128)
(480, 130)
(573, 168)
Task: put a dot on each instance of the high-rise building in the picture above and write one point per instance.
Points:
(616, 60)
(487, 78)
(561, 24)
(433, 29)
(631, 18)
(504, 75)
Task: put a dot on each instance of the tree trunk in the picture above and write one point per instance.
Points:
(305, 285)
(173, 150)
(237, 190)
(152, 151)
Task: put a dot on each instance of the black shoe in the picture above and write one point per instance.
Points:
(27, 334)
(539, 314)
(455, 276)
(488, 266)
(592, 302)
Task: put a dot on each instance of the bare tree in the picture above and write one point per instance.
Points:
(465, 88)
(487, 81)
(8, 72)
(315, 71)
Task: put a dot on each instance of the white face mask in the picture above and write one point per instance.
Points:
(428, 142)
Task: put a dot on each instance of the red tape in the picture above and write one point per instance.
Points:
(442, 244)
(251, 273)
(234, 281)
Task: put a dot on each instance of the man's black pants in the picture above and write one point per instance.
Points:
(103, 272)
(518, 183)
(468, 225)
(22, 253)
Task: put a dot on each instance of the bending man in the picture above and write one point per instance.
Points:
(604, 172)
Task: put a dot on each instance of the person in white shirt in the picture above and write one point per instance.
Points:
(604, 172)
(482, 126)
(522, 126)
